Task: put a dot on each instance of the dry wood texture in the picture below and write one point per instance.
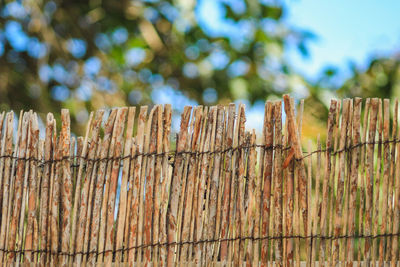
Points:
(132, 190)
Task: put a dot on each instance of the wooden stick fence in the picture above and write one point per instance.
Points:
(121, 194)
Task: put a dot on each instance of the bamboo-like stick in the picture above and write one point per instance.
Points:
(233, 196)
(252, 197)
(183, 194)
(144, 234)
(355, 162)
(396, 204)
(176, 187)
(66, 188)
(210, 163)
(240, 167)
(91, 195)
(349, 134)
(196, 217)
(370, 178)
(157, 184)
(7, 146)
(294, 133)
(37, 226)
(55, 204)
(289, 188)
(53, 154)
(34, 135)
(227, 182)
(278, 183)
(266, 195)
(340, 181)
(134, 238)
(82, 154)
(214, 184)
(23, 214)
(120, 125)
(297, 213)
(391, 178)
(12, 181)
(84, 197)
(386, 169)
(165, 182)
(309, 203)
(362, 180)
(202, 185)
(124, 184)
(20, 170)
(217, 244)
(99, 187)
(150, 144)
(104, 206)
(377, 185)
(192, 170)
(316, 207)
(284, 194)
(128, 220)
(3, 145)
(333, 185)
(326, 184)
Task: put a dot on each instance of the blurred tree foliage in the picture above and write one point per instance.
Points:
(85, 55)
(380, 79)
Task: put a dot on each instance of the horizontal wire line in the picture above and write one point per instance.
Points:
(332, 237)
(198, 153)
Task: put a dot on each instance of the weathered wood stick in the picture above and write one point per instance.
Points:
(227, 183)
(396, 205)
(362, 180)
(386, 170)
(137, 188)
(370, 178)
(165, 182)
(278, 183)
(326, 184)
(295, 138)
(267, 161)
(203, 176)
(18, 184)
(34, 135)
(7, 145)
(84, 197)
(176, 187)
(340, 181)
(82, 154)
(354, 177)
(91, 195)
(66, 188)
(124, 184)
(21, 227)
(119, 129)
(151, 142)
(99, 187)
(252, 197)
(391, 178)
(192, 170)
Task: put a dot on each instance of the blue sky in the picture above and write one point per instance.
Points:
(353, 30)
